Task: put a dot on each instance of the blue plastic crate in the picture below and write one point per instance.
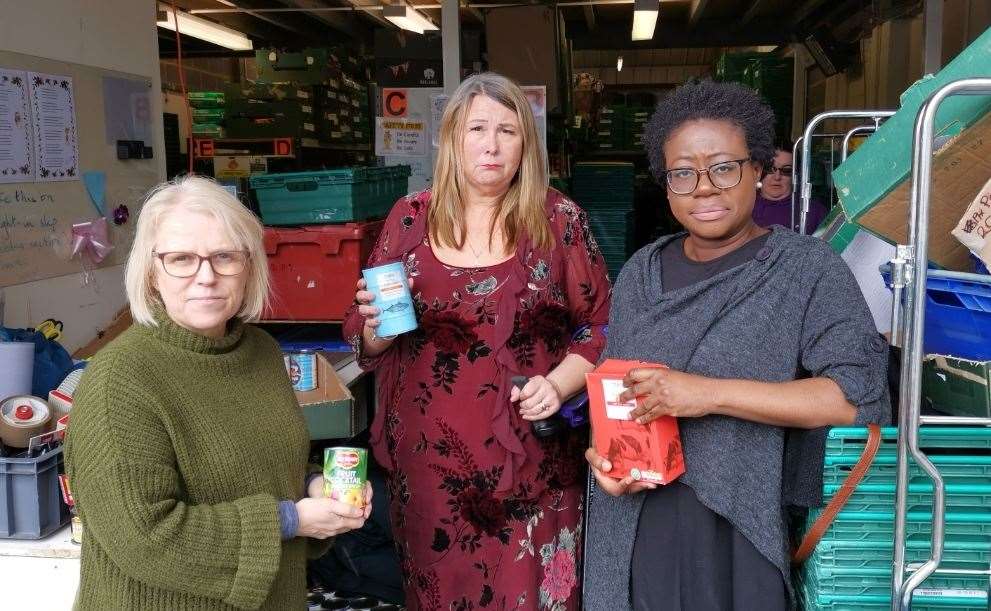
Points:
(814, 601)
(879, 526)
(881, 497)
(958, 314)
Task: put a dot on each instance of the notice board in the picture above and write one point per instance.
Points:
(37, 212)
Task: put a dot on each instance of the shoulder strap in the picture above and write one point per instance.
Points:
(825, 519)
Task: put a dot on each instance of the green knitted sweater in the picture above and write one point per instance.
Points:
(178, 452)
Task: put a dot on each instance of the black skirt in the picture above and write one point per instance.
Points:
(689, 558)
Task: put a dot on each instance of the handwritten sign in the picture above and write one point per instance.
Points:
(396, 137)
(974, 228)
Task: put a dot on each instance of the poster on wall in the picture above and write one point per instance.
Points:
(537, 96)
(53, 114)
(400, 137)
(16, 153)
(437, 105)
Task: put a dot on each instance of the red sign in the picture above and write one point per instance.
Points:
(394, 103)
(347, 460)
(202, 147)
(283, 147)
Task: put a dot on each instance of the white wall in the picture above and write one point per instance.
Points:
(110, 34)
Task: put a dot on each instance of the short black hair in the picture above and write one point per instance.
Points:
(784, 144)
(705, 99)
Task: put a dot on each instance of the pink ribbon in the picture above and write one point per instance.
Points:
(91, 238)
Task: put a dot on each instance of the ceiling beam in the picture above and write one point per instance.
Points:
(752, 12)
(805, 10)
(698, 8)
(344, 22)
(589, 12)
(667, 35)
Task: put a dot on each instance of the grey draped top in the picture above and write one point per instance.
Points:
(793, 311)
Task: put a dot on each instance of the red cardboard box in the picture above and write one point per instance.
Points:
(648, 452)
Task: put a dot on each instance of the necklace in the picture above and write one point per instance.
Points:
(476, 253)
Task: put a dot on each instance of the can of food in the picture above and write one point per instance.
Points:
(302, 369)
(345, 471)
(390, 286)
(76, 530)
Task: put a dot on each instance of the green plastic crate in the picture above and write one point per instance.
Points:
(310, 66)
(877, 581)
(958, 387)
(205, 99)
(881, 497)
(813, 601)
(270, 127)
(208, 115)
(271, 92)
(955, 469)
(211, 130)
(290, 110)
(329, 196)
(874, 554)
(851, 440)
(884, 160)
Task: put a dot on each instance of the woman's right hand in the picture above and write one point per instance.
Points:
(320, 518)
(616, 487)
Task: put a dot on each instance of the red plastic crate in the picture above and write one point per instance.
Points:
(314, 268)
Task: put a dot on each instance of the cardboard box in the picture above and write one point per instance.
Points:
(958, 387)
(651, 452)
(338, 407)
(873, 184)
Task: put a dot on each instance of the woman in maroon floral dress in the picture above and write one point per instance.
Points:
(507, 280)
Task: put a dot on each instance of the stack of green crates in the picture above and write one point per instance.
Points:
(605, 191)
(208, 113)
(611, 132)
(329, 196)
(851, 567)
(770, 75)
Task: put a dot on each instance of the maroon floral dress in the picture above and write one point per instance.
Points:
(485, 515)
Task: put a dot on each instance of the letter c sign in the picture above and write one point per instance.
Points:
(394, 103)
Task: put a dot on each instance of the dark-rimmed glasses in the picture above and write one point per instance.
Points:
(187, 264)
(722, 175)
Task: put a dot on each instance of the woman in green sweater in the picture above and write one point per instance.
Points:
(187, 450)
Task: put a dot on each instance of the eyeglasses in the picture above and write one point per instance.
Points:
(784, 170)
(722, 175)
(187, 264)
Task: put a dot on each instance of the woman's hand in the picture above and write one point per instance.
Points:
(539, 398)
(666, 392)
(615, 487)
(364, 298)
(317, 490)
(325, 517)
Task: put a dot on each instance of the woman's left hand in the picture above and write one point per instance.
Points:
(317, 490)
(666, 392)
(538, 399)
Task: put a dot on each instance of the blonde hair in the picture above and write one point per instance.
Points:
(522, 207)
(197, 194)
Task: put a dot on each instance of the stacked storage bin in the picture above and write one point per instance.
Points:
(851, 568)
(771, 76)
(317, 93)
(208, 112)
(320, 229)
(605, 191)
(611, 131)
(261, 110)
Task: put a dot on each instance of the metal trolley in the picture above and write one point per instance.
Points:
(804, 177)
(909, 273)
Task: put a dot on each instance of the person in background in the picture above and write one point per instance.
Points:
(773, 204)
(507, 281)
(768, 340)
(187, 450)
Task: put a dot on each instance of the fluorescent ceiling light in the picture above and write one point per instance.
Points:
(203, 29)
(406, 17)
(644, 19)
(619, 64)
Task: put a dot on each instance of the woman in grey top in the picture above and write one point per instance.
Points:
(768, 340)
